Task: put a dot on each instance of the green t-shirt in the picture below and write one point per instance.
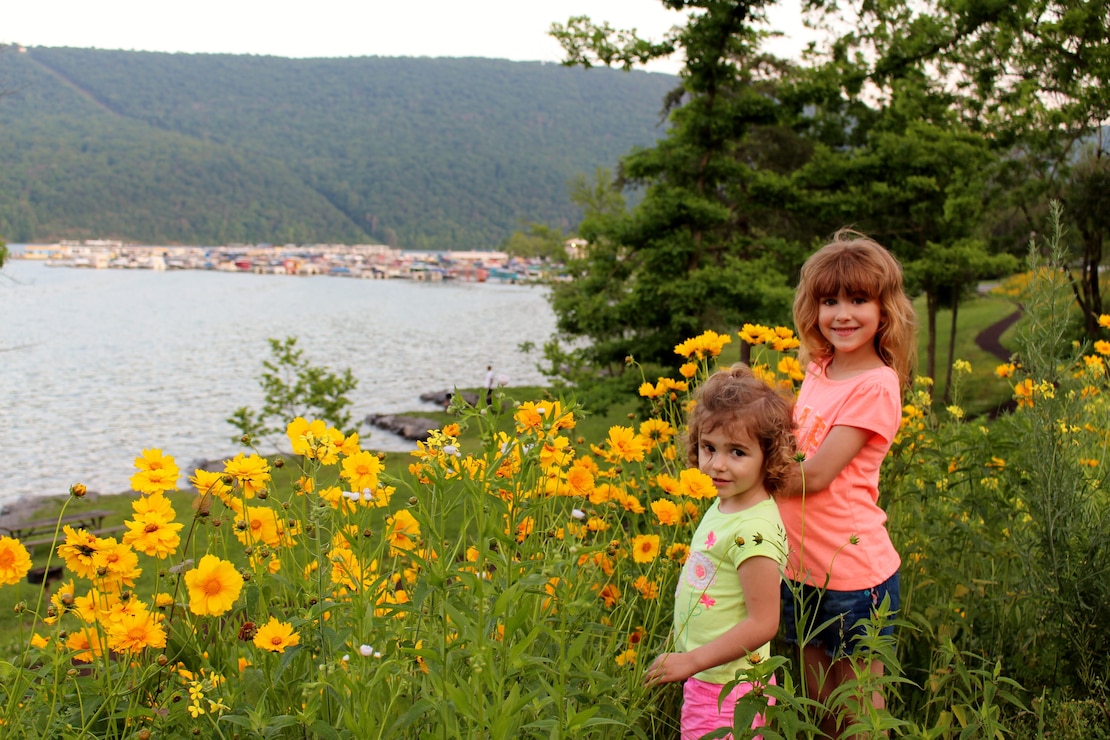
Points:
(709, 600)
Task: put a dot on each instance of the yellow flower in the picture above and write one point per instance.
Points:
(116, 564)
(626, 444)
(645, 547)
(1005, 370)
(156, 473)
(628, 657)
(667, 512)
(1104, 321)
(252, 473)
(15, 561)
(962, 366)
(402, 530)
(756, 334)
(315, 440)
(791, 368)
(38, 641)
(361, 470)
(696, 484)
(275, 636)
(153, 531)
(688, 370)
(208, 482)
(656, 432)
(647, 390)
(706, 344)
(784, 339)
(213, 585)
(678, 552)
(1102, 347)
(134, 632)
(262, 525)
(648, 589)
(609, 594)
(1023, 392)
(668, 483)
(86, 643)
(580, 480)
(956, 411)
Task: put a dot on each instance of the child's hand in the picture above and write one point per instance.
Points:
(669, 667)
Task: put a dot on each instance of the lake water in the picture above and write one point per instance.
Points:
(100, 364)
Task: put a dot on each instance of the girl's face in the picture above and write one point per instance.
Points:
(850, 323)
(735, 463)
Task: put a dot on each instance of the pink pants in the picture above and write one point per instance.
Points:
(700, 715)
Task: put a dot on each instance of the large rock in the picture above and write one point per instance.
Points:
(409, 427)
(442, 398)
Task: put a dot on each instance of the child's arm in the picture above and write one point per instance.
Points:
(759, 577)
(840, 445)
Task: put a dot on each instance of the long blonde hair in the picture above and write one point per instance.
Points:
(858, 266)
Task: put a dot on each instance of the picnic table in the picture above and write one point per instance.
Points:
(41, 531)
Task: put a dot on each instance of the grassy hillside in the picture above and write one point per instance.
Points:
(423, 153)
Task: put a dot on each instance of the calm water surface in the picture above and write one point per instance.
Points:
(100, 364)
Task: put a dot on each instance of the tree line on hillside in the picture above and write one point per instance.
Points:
(417, 153)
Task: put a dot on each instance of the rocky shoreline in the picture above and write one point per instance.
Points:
(417, 428)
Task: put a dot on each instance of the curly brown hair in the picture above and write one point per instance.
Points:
(858, 266)
(736, 400)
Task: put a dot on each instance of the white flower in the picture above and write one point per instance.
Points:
(578, 514)
(451, 450)
(365, 650)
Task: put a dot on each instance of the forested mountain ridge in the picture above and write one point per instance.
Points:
(206, 149)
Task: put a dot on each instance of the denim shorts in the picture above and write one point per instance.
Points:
(844, 608)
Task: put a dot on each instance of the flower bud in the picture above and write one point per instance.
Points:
(77, 490)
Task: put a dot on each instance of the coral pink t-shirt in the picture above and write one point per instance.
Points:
(820, 525)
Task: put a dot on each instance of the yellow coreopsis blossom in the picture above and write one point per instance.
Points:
(656, 432)
(134, 632)
(756, 334)
(252, 472)
(792, 369)
(648, 589)
(696, 484)
(1102, 347)
(628, 657)
(315, 440)
(688, 370)
(1104, 321)
(645, 548)
(208, 482)
(276, 636)
(153, 534)
(86, 644)
(78, 550)
(626, 444)
(361, 470)
(15, 561)
(706, 344)
(609, 594)
(678, 552)
(1005, 370)
(156, 472)
(262, 524)
(666, 512)
(784, 339)
(402, 530)
(214, 586)
(115, 565)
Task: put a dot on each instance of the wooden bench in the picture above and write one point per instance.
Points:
(37, 531)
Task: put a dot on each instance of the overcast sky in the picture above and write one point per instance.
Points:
(500, 29)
